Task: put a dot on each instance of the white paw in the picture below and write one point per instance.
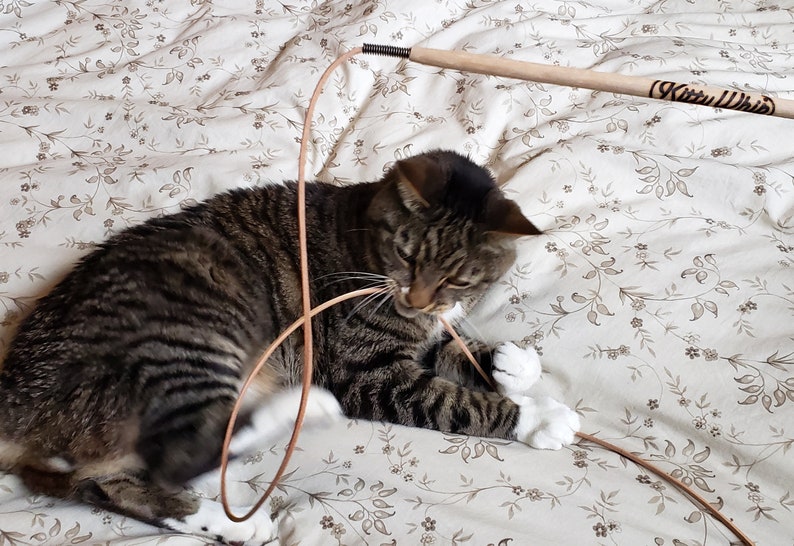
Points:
(544, 423)
(210, 521)
(277, 416)
(514, 369)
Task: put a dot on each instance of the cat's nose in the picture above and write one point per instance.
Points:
(421, 293)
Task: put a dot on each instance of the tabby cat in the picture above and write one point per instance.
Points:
(117, 388)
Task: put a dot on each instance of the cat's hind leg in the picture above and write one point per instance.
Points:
(210, 520)
(129, 491)
(180, 438)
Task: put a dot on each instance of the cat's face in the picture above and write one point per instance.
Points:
(440, 263)
(446, 232)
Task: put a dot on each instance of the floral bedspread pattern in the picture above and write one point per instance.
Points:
(661, 295)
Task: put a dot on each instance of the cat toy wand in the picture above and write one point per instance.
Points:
(496, 66)
(704, 95)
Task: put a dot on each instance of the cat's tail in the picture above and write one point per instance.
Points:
(47, 481)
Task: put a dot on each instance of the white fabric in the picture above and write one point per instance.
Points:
(660, 297)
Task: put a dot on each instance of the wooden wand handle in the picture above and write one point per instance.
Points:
(637, 86)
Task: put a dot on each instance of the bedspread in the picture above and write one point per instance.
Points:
(661, 295)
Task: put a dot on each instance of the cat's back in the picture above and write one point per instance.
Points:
(176, 285)
(139, 267)
(218, 277)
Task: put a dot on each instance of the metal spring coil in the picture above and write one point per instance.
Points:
(386, 50)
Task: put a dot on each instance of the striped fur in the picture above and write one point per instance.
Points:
(138, 354)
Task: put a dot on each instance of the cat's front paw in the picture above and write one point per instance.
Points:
(514, 369)
(544, 423)
(210, 521)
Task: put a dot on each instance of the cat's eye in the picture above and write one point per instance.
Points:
(403, 255)
(458, 284)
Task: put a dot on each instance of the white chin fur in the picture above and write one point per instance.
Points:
(454, 314)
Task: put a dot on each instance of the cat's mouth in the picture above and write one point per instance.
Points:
(404, 308)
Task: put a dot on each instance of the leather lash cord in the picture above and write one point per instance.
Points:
(486, 65)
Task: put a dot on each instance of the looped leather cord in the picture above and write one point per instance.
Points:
(305, 321)
(308, 341)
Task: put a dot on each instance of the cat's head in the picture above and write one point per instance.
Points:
(446, 232)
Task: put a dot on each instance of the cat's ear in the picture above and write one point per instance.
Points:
(420, 180)
(504, 217)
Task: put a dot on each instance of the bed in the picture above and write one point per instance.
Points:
(661, 296)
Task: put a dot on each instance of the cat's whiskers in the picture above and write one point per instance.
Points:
(386, 294)
(384, 298)
(366, 301)
(387, 289)
(357, 273)
(344, 276)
